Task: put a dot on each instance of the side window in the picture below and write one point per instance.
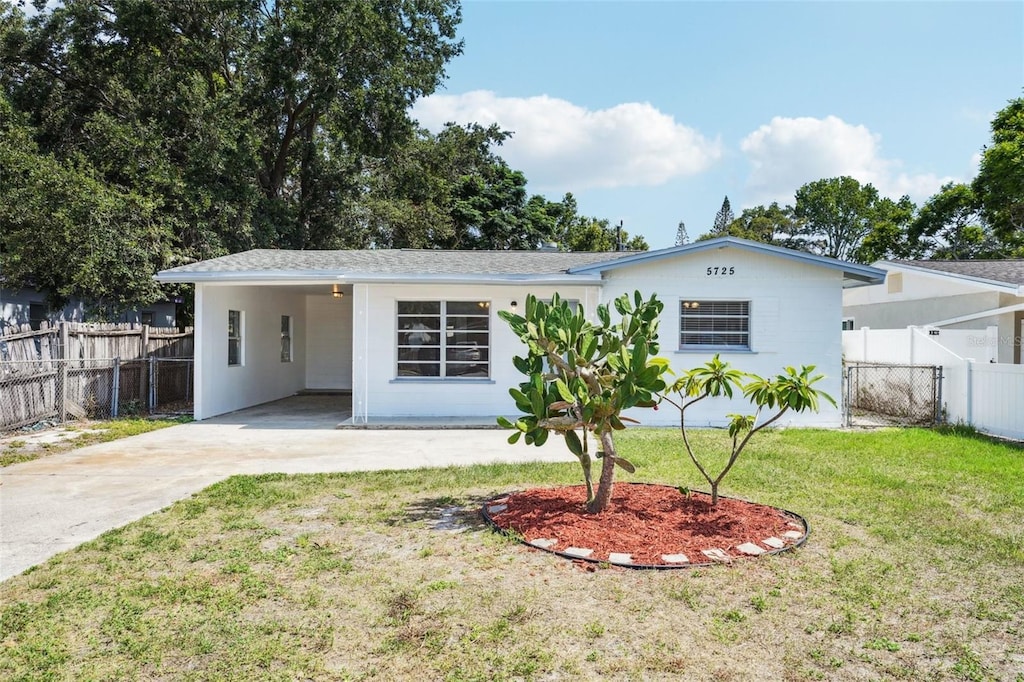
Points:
(286, 338)
(146, 317)
(235, 338)
(848, 324)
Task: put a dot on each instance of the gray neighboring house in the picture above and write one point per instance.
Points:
(973, 294)
(29, 306)
(415, 333)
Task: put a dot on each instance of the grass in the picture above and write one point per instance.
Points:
(18, 449)
(914, 570)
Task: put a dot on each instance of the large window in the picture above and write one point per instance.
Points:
(235, 337)
(444, 339)
(714, 325)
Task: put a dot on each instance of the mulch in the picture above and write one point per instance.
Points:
(643, 520)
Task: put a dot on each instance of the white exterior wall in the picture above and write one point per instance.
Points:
(329, 342)
(795, 320)
(262, 377)
(376, 392)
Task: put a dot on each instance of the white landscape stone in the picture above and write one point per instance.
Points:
(544, 543)
(620, 558)
(716, 554)
(793, 534)
(750, 548)
(580, 552)
(774, 543)
(675, 558)
(497, 509)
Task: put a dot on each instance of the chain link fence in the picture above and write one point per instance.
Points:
(879, 394)
(36, 392)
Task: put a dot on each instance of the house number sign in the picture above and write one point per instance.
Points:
(721, 270)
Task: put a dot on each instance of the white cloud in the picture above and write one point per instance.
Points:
(561, 146)
(790, 152)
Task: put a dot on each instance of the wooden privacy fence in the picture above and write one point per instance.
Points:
(64, 372)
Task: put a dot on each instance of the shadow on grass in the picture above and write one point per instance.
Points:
(446, 513)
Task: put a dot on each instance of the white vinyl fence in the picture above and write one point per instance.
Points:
(975, 390)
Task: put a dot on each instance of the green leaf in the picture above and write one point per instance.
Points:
(572, 441)
(505, 423)
(625, 464)
(514, 438)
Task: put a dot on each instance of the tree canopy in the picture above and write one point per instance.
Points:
(999, 185)
(200, 128)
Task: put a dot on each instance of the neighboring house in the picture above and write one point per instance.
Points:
(30, 306)
(973, 295)
(415, 333)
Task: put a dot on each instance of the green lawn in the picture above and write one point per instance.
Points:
(914, 570)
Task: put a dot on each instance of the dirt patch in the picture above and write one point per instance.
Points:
(647, 522)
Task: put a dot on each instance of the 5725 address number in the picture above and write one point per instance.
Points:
(722, 270)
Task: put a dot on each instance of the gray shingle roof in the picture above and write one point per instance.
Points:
(1004, 271)
(394, 262)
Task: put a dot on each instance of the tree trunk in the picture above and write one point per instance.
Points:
(604, 487)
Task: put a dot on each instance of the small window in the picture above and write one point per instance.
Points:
(286, 338)
(146, 317)
(235, 337)
(37, 314)
(848, 324)
(712, 325)
(444, 339)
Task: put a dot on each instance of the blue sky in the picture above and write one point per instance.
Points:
(651, 112)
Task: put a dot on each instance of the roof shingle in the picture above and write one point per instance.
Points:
(1005, 271)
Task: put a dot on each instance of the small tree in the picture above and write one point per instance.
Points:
(581, 376)
(793, 390)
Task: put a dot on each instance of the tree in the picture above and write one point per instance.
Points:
(792, 390)
(593, 234)
(247, 124)
(723, 218)
(768, 224)
(65, 231)
(950, 226)
(581, 376)
(835, 215)
(999, 185)
(681, 236)
(888, 235)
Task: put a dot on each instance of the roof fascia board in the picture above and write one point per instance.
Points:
(994, 312)
(855, 271)
(991, 284)
(319, 277)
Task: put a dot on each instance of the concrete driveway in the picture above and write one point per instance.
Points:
(56, 503)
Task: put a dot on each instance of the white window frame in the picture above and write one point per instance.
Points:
(238, 339)
(445, 333)
(287, 329)
(687, 308)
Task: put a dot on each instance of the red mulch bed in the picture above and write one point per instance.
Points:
(645, 521)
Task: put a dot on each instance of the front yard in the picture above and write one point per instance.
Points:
(914, 570)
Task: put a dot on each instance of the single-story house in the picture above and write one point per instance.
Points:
(414, 333)
(974, 294)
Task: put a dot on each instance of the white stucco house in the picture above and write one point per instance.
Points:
(956, 295)
(414, 333)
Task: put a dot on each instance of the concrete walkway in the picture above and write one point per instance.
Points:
(56, 503)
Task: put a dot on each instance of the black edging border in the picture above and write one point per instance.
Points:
(647, 567)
